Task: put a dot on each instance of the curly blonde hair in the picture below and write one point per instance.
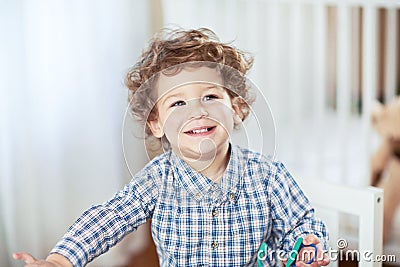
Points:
(168, 50)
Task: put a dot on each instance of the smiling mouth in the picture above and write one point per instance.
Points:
(201, 131)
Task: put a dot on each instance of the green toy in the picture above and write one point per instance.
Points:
(295, 251)
(261, 254)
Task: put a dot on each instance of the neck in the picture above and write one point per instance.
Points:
(212, 166)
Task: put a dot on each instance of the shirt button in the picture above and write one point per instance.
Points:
(213, 187)
(197, 194)
(233, 196)
(215, 213)
(214, 245)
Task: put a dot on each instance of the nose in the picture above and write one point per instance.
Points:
(196, 109)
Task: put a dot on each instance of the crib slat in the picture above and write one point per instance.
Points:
(343, 81)
(320, 24)
(320, 36)
(343, 61)
(369, 78)
(390, 54)
(371, 222)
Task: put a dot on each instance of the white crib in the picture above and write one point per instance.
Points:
(367, 204)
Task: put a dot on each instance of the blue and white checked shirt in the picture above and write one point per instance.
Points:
(196, 222)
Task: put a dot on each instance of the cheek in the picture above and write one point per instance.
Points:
(224, 115)
(226, 121)
(173, 122)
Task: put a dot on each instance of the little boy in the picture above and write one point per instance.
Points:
(211, 203)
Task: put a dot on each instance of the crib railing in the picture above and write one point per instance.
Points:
(366, 204)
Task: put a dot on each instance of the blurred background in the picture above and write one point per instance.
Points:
(320, 64)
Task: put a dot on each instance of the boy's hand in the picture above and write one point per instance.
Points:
(321, 259)
(32, 261)
(54, 260)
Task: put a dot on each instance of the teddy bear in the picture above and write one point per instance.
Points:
(385, 162)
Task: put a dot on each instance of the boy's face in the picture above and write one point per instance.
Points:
(194, 112)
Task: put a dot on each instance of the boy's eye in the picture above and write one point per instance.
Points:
(178, 103)
(210, 97)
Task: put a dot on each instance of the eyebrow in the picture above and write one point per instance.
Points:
(177, 95)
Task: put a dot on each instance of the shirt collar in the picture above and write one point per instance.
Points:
(200, 187)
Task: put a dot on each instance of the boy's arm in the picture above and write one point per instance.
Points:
(102, 226)
(59, 259)
(292, 213)
(53, 260)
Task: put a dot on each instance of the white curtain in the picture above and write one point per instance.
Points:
(62, 102)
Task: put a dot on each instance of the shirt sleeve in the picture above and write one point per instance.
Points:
(292, 214)
(102, 226)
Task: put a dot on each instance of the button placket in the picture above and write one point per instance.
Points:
(215, 226)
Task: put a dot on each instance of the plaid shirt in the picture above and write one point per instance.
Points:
(196, 222)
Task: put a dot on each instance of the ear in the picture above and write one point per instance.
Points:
(237, 112)
(156, 128)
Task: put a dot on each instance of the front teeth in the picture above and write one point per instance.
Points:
(200, 131)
